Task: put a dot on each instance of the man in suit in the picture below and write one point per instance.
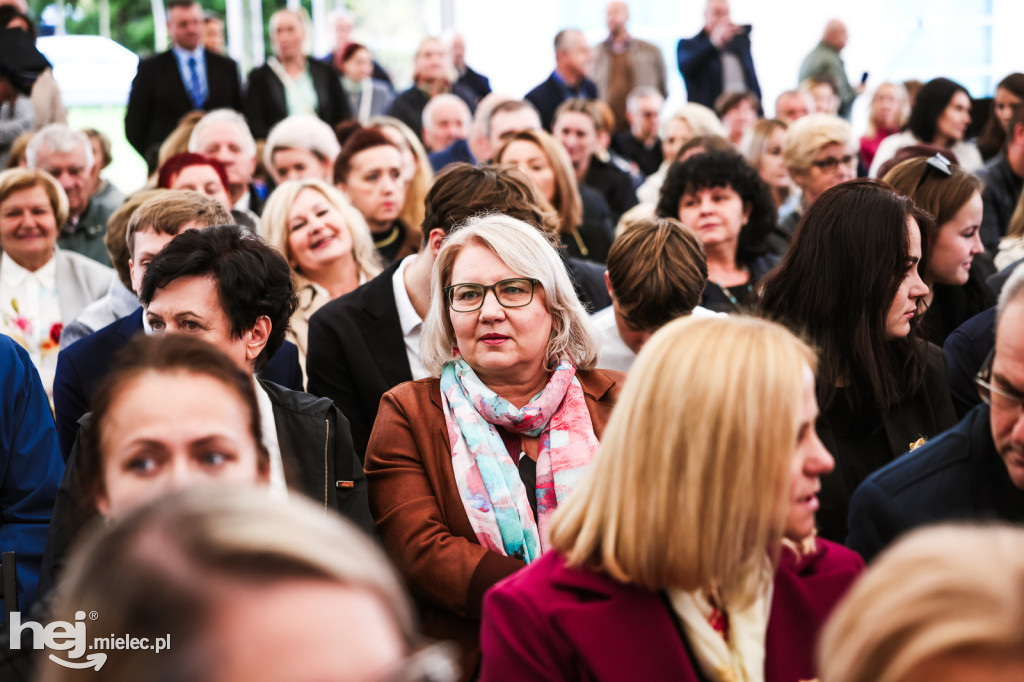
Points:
(974, 471)
(717, 59)
(475, 81)
(568, 80)
(173, 83)
(82, 365)
(225, 135)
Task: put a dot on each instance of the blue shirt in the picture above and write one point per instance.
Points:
(182, 55)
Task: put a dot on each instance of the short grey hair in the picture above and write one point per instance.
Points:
(524, 250)
(216, 115)
(701, 119)
(57, 137)
(443, 98)
(302, 131)
(1012, 290)
(642, 92)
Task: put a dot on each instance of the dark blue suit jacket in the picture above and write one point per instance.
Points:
(82, 366)
(456, 152)
(700, 62)
(958, 476)
(548, 95)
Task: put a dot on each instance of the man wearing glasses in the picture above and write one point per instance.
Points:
(974, 471)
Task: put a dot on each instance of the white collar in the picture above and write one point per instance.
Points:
(14, 275)
(243, 203)
(407, 315)
(185, 54)
(278, 485)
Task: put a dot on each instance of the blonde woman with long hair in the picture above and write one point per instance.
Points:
(668, 561)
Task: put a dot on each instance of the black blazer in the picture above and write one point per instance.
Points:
(83, 365)
(357, 353)
(159, 99)
(265, 102)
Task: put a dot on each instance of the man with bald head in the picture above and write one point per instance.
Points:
(824, 60)
(623, 63)
(568, 80)
(717, 59)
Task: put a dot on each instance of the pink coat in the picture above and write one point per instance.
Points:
(551, 622)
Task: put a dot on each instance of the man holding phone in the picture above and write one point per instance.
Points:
(824, 60)
(717, 59)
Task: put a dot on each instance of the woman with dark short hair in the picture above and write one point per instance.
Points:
(722, 199)
(851, 284)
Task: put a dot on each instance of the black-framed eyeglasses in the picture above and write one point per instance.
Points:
(993, 395)
(831, 163)
(510, 293)
(940, 164)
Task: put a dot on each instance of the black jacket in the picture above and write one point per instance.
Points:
(265, 100)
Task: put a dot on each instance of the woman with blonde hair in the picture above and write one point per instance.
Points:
(327, 244)
(762, 147)
(959, 618)
(583, 233)
(889, 107)
(416, 169)
(465, 467)
(691, 120)
(1011, 247)
(666, 547)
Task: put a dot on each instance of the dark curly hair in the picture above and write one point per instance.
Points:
(723, 169)
(253, 278)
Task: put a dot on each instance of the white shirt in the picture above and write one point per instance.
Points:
(412, 323)
(30, 314)
(615, 354)
(278, 486)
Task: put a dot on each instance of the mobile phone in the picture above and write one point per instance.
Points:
(864, 78)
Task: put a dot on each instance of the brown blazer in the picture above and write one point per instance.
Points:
(415, 501)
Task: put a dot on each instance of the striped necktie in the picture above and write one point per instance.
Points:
(195, 89)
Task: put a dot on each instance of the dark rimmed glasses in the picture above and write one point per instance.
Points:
(940, 164)
(510, 293)
(831, 163)
(1003, 399)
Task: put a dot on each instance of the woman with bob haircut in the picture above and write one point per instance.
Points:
(299, 147)
(723, 200)
(208, 176)
(220, 580)
(584, 220)
(466, 467)
(367, 96)
(958, 617)
(327, 244)
(850, 283)
(690, 120)
(940, 115)
(665, 547)
(762, 148)
(956, 266)
(416, 169)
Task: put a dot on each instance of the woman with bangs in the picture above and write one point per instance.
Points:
(666, 548)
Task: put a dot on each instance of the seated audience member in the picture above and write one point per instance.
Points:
(416, 169)
(665, 547)
(222, 578)
(1008, 101)
(466, 467)
(301, 147)
(1004, 178)
(738, 111)
(569, 79)
(120, 299)
(967, 349)
(367, 96)
(16, 114)
(943, 604)
(102, 190)
(578, 125)
(474, 81)
(825, 93)
(42, 287)
(762, 148)
(507, 119)
(367, 342)
(446, 120)
(67, 155)
(224, 135)
(208, 176)
(722, 199)
(177, 141)
(291, 82)
(343, 23)
(955, 267)
(885, 117)
(213, 33)
(476, 147)
(656, 273)
(850, 284)
(369, 172)
(82, 365)
(691, 120)
(1011, 247)
(975, 470)
(820, 152)
(940, 115)
(31, 468)
(640, 143)
(432, 76)
(584, 221)
(47, 106)
(793, 105)
(702, 144)
(327, 244)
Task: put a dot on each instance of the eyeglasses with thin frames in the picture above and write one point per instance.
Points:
(993, 395)
(510, 293)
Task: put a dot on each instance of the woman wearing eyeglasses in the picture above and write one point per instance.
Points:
(851, 284)
(955, 268)
(466, 468)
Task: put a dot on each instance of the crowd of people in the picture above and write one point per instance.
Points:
(443, 384)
